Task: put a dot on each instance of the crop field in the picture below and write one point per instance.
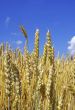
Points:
(32, 82)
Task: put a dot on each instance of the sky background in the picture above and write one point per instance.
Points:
(56, 15)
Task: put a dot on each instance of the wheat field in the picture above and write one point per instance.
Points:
(32, 82)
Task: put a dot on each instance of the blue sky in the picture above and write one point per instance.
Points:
(56, 15)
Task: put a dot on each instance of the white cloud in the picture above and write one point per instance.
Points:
(14, 33)
(19, 42)
(71, 46)
(7, 21)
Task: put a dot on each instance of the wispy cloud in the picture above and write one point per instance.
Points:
(18, 42)
(7, 21)
(14, 33)
(71, 46)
